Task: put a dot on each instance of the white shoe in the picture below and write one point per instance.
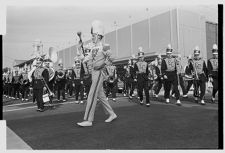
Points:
(107, 98)
(124, 95)
(81, 102)
(85, 123)
(178, 102)
(148, 104)
(185, 96)
(141, 102)
(130, 97)
(111, 118)
(167, 100)
(156, 96)
(26, 99)
(213, 100)
(114, 99)
(202, 102)
(77, 102)
(173, 95)
(23, 99)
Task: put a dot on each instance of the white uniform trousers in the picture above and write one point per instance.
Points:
(96, 91)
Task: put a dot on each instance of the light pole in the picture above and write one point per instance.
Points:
(115, 25)
(149, 27)
(131, 34)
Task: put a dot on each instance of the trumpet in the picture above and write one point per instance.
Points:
(50, 93)
(196, 91)
(111, 79)
(60, 74)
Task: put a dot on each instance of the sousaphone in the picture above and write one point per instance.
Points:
(54, 58)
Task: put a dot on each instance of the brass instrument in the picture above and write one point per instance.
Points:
(51, 72)
(195, 72)
(47, 97)
(196, 78)
(111, 79)
(60, 74)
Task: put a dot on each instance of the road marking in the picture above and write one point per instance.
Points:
(10, 110)
(18, 109)
(73, 102)
(18, 104)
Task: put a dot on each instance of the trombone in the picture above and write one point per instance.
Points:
(196, 90)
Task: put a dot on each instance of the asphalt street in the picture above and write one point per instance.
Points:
(160, 126)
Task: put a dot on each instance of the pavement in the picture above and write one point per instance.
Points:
(160, 126)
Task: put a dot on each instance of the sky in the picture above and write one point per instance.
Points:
(56, 23)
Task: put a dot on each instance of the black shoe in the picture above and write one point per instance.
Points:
(41, 110)
(38, 109)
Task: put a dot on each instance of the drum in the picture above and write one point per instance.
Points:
(46, 98)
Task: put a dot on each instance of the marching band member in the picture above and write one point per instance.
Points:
(100, 55)
(37, 75)
(213, 71)
(130, 77)
(112, 81)
(4, 84)
(159, 78)
(78, 80)
(49, 66)
(16, 85)
(180, 73)
(10, 84)
(70, 81)
(169, 73)
(24, 84)
(199, 68)
(61, 81)
(152, 76)
(188, 75)
(141, 68)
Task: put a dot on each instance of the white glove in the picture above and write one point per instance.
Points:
(44, 89)
(165, 77)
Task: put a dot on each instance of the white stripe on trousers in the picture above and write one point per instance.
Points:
(96, 91)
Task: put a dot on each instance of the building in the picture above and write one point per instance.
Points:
(183, 29)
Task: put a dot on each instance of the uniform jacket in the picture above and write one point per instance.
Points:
(200, 67)
(62, 80)
(38, 75)
(78, 74)
(142, 71)
(213, 68)
(169, 68)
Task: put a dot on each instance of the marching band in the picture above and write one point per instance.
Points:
(94, 68)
